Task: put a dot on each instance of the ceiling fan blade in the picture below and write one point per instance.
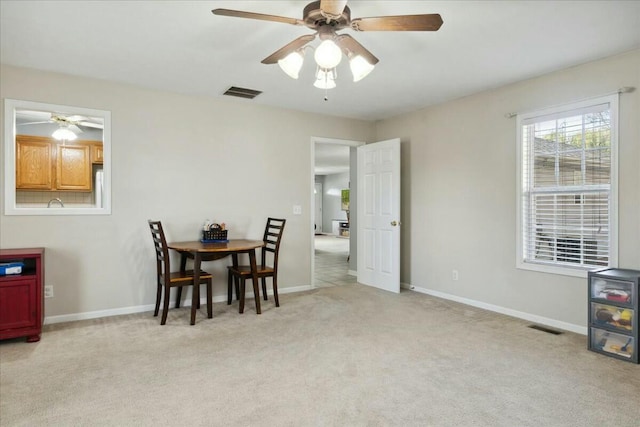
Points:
(33, 115)
(427, 22)
(347, 42)
(32, 123)
(288, 48)
(261, 16)
(75, 128)
(333, 7)
(75, 118)
(91, 125)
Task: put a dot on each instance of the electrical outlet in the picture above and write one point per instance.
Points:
(454, 274)
(48, 291)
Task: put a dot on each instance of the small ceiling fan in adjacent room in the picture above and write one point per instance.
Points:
(68, 126)
(326, 18)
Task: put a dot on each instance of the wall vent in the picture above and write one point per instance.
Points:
(543, 329)
(242, 92)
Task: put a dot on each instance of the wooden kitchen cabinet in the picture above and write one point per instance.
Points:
(21, 295)
(97, 154)
(33, 164)
(73, 167)
(44, 164)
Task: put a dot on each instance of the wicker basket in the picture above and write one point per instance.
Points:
(214, 234)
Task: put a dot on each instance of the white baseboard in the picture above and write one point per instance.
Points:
(49, 320)
(291, 289)
(502, 310)
(352, 273)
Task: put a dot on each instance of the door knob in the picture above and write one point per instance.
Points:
(394, 223)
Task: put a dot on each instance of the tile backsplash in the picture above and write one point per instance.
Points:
(67, 197)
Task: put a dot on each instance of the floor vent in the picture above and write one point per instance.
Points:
(242, 92)
(543, 329)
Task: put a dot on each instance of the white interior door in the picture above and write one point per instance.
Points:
(379, 215)
(318, 206)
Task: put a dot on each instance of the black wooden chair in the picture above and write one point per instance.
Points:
(167, 280)
(238, 274)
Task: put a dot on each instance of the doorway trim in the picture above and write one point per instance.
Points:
(322, 140)
(318, 186)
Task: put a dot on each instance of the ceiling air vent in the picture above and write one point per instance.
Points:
(242, 92)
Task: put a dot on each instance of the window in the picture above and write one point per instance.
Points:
(39, 169)
(566, 187)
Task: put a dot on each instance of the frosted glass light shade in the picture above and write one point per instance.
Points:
(360, 68)
(64, 133)
(328, 55)
(322, 84)
(291, 64)
(325, 79)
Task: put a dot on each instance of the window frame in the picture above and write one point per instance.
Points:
(563, 269)
(11, 107)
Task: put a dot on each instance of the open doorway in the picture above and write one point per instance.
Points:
(333, 165)
(331, 254)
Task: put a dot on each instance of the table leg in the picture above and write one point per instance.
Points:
(233, 282)
(196, 286)
(241, 291)
(254, 275)
(209, 301)
(183, 267)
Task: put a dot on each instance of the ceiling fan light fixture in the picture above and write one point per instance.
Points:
(64, 133)
(325, 79)
(328, 55)
(360, 67)
(325, 84)
(326, 18)
(292, 63)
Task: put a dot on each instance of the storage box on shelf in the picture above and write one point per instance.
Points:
(613, 312)
(21, 296)
(344, 229)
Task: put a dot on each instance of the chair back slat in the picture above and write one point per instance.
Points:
(160, 244)
(272, 238)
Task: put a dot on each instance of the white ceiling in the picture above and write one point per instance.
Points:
(181, 46)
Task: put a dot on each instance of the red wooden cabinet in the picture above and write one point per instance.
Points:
(21, 295)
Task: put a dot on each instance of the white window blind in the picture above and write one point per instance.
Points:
(566, 185)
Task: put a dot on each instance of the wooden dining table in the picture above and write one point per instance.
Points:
(200, 251)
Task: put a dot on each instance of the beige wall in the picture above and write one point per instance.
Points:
(181, 159)
(459, 191)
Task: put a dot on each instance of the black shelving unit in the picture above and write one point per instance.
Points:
(613, 313)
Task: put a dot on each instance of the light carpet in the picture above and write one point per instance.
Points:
(337, 356)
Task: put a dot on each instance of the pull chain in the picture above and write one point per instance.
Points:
(326, 86)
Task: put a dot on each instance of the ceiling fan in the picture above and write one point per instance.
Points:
(326, 18)
(74, 122)
(68, 126)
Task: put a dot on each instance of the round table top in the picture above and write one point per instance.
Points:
(233, 245)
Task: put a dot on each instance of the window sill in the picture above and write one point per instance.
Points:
(552, 269)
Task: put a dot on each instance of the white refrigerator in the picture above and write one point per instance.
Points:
(99, 187)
